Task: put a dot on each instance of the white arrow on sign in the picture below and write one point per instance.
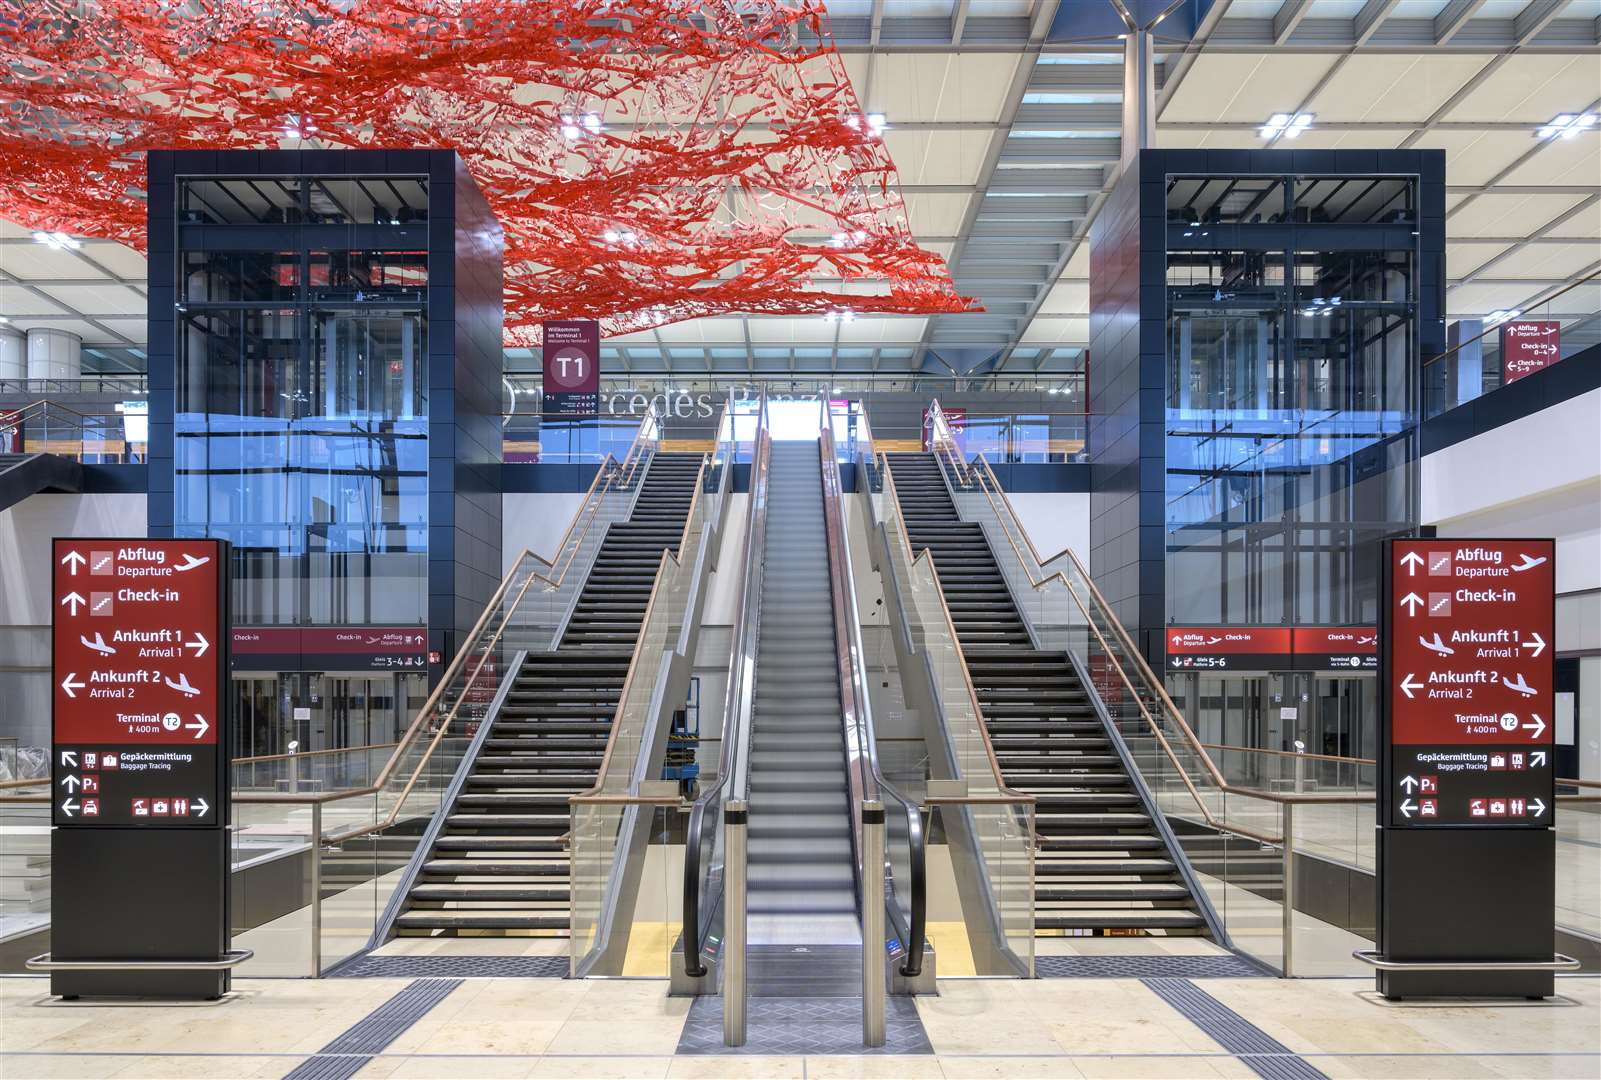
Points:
(1537, 757)
(1407, 806)
(69, 759)
(200, 806)
(1537, 806)
(199, 727)
(69, 684)
(72, 560)
(73, 601)
(1412, 560)
(1409, 784)
(70, 782)
(1412, 601)
(1539, 643)
(199, 644)
(1407, 685)
(68, 806)
(1538, 726)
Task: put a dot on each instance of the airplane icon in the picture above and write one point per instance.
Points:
(190, 562)
(1520, 686)
(1529, 563)
(183, 687)
(1436, 645)
(98, 644)
(1213, 640)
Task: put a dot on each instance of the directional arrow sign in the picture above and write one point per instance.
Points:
(199, 727)
(71, 685)
(1537, 757)
(1412, 601)
(1412, 560)
(72, 560)
(73, 602)
(1407, 806)
(69, 759)
(1536, 807)
(199, 644)
(1538, 643)
(68, 806)
(200, 806)
(1409, 783)
(70, 782)
(1538, 727)
(1407, 685)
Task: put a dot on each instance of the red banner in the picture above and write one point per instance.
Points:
(1527, 347)
(1335, 648)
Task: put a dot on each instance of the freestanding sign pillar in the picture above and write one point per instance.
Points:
(139, 848)
(1466, 846)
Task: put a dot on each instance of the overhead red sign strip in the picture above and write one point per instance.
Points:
(1470, 675)
(138, 715)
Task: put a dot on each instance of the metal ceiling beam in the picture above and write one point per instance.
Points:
(1369, 19)
(1289, 16)
(1560, 219)
(959, 21)
(1522, 160)
(1454, 17)
(1535, 18)
(1180, 67)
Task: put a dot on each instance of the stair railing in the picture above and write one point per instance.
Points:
(893, 880)
(714, 842)
(614, 822)
(524, 613)
(993, 821)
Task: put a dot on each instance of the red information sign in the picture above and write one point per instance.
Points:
(137, 647)
(1222, 647)
(1470, 675)
(1526, 347)
(1335, 648)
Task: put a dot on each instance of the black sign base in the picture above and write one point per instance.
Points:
(139, 894)
(1466, 895)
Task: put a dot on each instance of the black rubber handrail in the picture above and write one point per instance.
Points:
(736, 719)
(910, 932)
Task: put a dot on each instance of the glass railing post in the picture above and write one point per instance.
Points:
(873, 977)
(734, 989)
(316, 890)
(1288, 822)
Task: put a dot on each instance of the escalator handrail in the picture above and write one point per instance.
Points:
(856, 703)
(733, 755)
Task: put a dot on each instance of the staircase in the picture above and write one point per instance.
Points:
(22, 475)
(1101, 864)
(801, 879)
(500, 862)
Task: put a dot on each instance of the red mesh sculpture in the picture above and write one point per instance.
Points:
(649, 161)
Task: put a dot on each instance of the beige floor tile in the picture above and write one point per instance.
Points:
(1554, 1067)
(736, 1068)
(1133, 1034)
(516, 1036)
(600, 1068)
(888, 1067)
(620, 1035)
(222, 1067)
(463, 1068)
(1408, 1067)
(990, 1035)
(1156, 1067)
(63, 1066)
(630, 1000)
(380, 1068)
(1008, 1068)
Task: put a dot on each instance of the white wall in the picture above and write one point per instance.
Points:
(1539, 476)
(26, 530)
(536, 521)
(1055, 520)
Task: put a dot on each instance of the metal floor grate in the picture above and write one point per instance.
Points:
(352, 1050)
(799, 1026)
(453, 967)
(1263, 1054)
(1145, 967)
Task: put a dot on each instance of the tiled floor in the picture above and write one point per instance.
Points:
(492, 1027)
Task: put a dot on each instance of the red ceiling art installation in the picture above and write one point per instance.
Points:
(649, 161)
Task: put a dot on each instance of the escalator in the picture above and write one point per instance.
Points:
(499, 861)
(1102, 863)
(801, 879)
(788, 884)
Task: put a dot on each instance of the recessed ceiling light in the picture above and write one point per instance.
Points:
(1565, 126)
(58, 240)
(1501, 315)
(1286, 125)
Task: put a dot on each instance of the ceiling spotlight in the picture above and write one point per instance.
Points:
(839, 315)
(1286, 125)
(837, 240)
(570, 129)
(58, 240)
(1502, 315)
(592, 123)
(1565, 126)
